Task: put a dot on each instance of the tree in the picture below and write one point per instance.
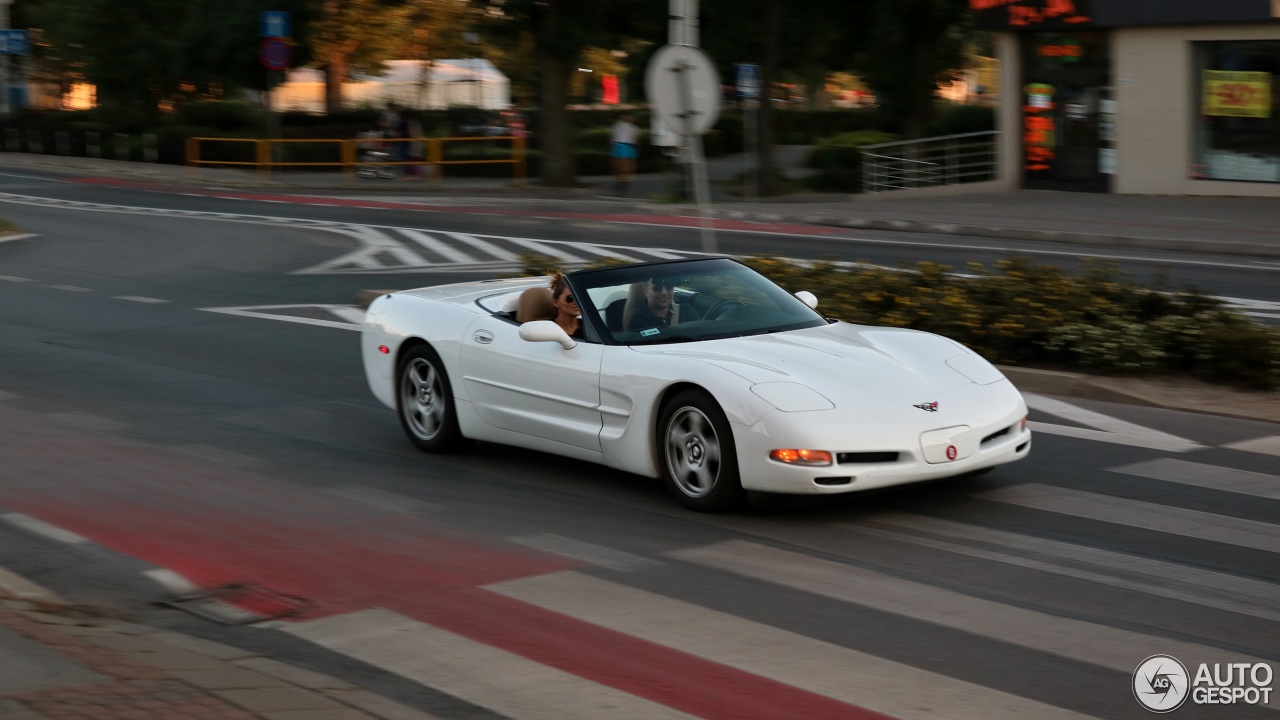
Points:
(916, 45)
(350, 35)
(561, 30)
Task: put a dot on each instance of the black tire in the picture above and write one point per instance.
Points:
(696, 453)
(424, 402)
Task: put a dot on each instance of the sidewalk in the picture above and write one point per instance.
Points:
(57, 663)
(1232, 226)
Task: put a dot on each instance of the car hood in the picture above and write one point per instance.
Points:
(844, 362)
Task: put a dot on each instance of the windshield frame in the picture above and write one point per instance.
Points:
(582, 281)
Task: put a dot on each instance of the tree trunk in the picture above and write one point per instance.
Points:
(335, 73)
(554, 70)
(769, 71)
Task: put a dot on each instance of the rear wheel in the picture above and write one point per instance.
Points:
(696, 453)
(424, 399)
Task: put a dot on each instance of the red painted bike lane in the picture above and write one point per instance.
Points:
(216, 526)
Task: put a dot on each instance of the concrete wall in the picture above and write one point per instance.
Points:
(1153, 71)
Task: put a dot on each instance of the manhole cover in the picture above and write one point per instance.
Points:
(240, 604)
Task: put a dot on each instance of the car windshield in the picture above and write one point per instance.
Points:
(686, 301)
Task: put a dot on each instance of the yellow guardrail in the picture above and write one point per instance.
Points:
(349, 155)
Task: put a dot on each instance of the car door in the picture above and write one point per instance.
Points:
(535, 388)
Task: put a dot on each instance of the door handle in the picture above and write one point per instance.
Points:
(484, 337)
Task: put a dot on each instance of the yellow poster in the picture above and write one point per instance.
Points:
(1237, 94)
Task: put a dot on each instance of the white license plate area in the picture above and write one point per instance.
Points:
(948, 444)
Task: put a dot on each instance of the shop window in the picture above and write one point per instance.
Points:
(1239, 129)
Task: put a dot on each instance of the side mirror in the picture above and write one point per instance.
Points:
(808, 298)
(546, 331)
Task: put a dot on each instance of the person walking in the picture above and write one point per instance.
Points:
(624, 150)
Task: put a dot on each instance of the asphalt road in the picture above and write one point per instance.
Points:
(509, 583)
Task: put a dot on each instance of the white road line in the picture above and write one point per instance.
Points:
(540, 247)
(600, 250)
(140, 299)
(1139, 514)
(171, 581)
(40, 527)
(70, 288)
(1264, 445)
(1108, 429)
(484, 246)
(501, 681)
(1154, 577)
(349, 313)
(433, 244)
(15, 278)
(1079, 640)
(254, 313)
(1206, 476)
(819, 667)
(586, 552)
(17, 236)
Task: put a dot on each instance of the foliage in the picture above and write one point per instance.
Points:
(1021, 313)
(839, 160)
(222, 116)
(952, 119)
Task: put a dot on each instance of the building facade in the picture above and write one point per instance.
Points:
(1179, 97)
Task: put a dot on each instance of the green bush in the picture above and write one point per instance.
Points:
(222, 115)
(958, 119)
(838, 160)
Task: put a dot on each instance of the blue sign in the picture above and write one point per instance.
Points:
(14, 42)
(274, 23)
(748, 84)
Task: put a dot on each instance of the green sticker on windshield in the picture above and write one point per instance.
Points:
(650, 331)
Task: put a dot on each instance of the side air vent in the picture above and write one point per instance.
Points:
(996, 434)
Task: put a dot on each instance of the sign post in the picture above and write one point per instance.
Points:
(748, 87)
(684, 87)
(275, 52)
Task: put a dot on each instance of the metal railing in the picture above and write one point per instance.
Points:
(355, 163)
(928, 162)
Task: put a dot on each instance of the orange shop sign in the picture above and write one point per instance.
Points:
(1237, 94)
(1034, 12)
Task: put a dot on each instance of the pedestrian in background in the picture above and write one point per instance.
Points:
(624, 150)
(417, 149)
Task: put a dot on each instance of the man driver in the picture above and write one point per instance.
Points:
(659, 308)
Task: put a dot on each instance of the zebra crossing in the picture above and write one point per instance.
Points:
(390, 250)
(1099, 608)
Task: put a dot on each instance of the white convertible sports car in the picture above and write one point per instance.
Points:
(743, 387)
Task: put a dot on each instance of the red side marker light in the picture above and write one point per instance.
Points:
(384, 349)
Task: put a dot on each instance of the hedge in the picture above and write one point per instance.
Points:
(1021, 313)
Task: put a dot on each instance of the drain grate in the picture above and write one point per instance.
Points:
(239, 604)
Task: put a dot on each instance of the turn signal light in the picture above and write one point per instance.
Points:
(801, 457)
(384, 349)
(1024, 422)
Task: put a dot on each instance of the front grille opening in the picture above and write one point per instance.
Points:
(884, 456)
(1022, 447)
(996, 434)
(833, 481)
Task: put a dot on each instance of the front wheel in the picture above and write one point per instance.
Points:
(424, 399)
(696, 453)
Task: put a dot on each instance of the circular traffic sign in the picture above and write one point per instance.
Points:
(275, 53)
(684, 88)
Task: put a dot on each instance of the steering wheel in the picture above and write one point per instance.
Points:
(720, 308)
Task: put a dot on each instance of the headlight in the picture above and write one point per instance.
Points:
(809, 458)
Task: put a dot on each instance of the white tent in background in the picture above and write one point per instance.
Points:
(412, 83)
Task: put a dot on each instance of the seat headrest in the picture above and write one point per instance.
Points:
(536, 304)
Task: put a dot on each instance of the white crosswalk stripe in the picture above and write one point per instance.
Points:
(1141, 514)
(819, 667)
(1207, 476)
(1102, 428)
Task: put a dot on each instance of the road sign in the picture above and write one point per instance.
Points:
(684, 87)
(274, 24)
(748, 85)
(275, 53)
(14, 42)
